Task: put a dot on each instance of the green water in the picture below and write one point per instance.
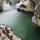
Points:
(21, 23)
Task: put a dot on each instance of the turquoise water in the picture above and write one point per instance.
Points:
(19, 21)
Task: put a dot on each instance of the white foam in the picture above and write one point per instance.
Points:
(6, 6)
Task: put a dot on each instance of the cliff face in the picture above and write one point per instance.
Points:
(38, 4)
(1, 5)
(1, 2)
(37, 13)
(38, 9)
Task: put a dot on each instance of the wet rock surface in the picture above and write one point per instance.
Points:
(36, 19)
(7, 34)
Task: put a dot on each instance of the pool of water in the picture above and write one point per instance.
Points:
(21, 23)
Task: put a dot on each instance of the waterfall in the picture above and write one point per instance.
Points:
(6, 6)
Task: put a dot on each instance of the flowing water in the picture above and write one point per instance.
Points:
(20, 22)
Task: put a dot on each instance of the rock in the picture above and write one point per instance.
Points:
(1, 9)
(7, 36)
